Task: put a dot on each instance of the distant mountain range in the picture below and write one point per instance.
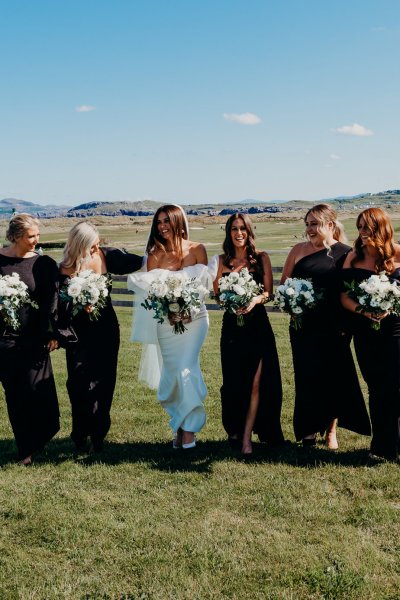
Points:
(148, 207)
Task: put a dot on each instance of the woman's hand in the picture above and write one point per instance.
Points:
(261, 299)
(52, 345)
(176, 317)
(88, 308)
(377, 318)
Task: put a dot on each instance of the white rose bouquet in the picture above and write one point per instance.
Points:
(13, 295)
(175, 295)
(377, 295)
(236, 291)
(87, 289)
(296, 296)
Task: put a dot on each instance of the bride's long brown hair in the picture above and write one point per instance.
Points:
(178, 226)
(380, 225)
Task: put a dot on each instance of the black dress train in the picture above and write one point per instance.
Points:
(25, 366)
(378, 355)
(326, 381)
(242, 349)
(92, 357)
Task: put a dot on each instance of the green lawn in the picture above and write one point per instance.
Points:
(142, 521)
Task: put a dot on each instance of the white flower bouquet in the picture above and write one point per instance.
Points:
(377, 295)
(295, 297)
(87, 289)
(236, 291)
(13, 295)
(176, 295)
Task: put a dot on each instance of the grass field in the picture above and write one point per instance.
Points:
(142, 521)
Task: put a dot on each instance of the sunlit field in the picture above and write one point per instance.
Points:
(144, 521)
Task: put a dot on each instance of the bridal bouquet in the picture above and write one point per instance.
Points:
(87, 289)
(175, 295)
(376, 295)
(296, 296)
(236, 291)
(13, 295)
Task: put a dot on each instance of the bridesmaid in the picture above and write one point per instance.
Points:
(326, 383)
(25, 366)
(251, 392)
(378, 351)
(92, 357)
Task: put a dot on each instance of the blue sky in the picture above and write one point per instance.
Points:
(198, 100)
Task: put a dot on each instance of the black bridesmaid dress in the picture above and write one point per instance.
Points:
(326, 381)
(92, 357)
(242, 349)
(378, 355)
(25, 367)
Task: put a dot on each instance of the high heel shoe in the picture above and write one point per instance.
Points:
(309, 441)
(190, 445)
(235, 443)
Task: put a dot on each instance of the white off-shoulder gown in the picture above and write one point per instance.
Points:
(181, 388)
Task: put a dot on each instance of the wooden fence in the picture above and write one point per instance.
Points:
(121, 296)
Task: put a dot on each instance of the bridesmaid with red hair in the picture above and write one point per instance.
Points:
(378, 351)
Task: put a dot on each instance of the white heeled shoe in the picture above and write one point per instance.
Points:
(190, 444)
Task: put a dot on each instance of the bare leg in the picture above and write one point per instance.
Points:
(252, 412)
(331, 440)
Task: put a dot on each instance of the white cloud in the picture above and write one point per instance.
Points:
(334, 157)
(243, 118)
(85, 108)
(355, 129)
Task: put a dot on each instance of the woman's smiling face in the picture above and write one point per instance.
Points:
(163, 225)
(364, 231)
(239, 233)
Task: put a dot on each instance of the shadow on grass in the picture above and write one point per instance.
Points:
(161, 456)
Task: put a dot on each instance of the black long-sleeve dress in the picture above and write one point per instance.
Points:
(326, 381)
(92, 358)
(242, 349)
(378, 355)
(25, 366)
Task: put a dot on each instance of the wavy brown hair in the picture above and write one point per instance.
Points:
(325, 213)
(228, 246)
(380, 225)
(178, 224)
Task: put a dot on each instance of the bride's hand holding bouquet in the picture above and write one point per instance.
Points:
(175, 297)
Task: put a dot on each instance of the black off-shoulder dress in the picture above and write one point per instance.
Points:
(378, 355)
(326, 381)
(25, 366)
(92, 357)
(242, 350)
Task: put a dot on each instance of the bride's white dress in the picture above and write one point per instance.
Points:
(181, 387)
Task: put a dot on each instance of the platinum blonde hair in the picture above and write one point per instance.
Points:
(18, 225)
(81, 238)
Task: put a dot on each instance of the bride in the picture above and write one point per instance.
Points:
(181, 388)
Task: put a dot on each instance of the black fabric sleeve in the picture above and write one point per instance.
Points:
(121, 262)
